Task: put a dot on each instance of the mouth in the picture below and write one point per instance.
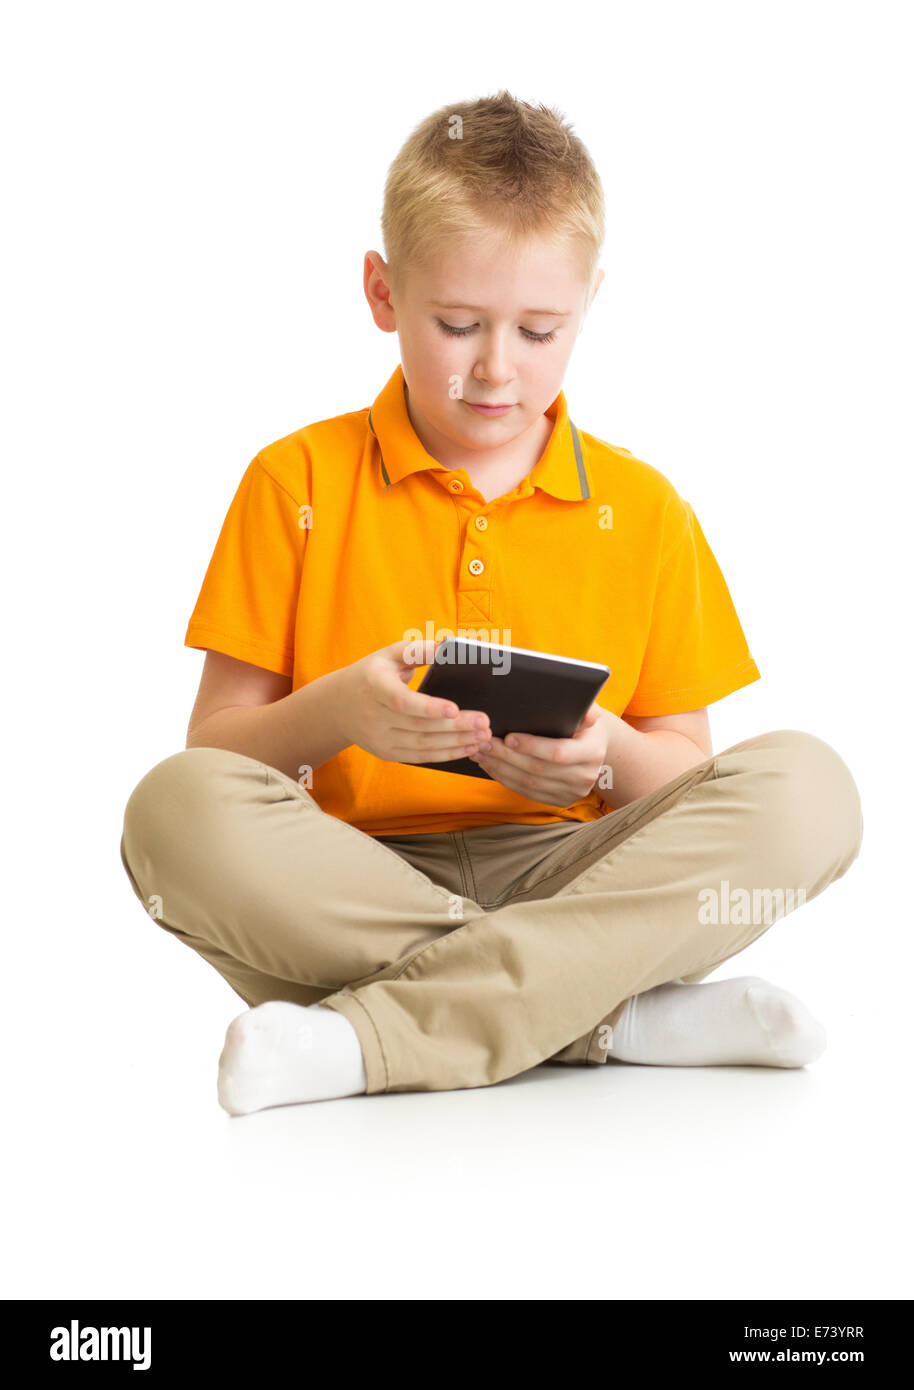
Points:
(493, 409)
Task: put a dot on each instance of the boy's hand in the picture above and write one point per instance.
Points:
(379, 711)
(556, 771)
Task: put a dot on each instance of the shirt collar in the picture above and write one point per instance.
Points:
(560, 471)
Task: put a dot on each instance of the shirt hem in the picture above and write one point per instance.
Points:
(439, 825)
(201, 637)
(695, 696)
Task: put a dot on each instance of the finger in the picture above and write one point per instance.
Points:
(465, 724)
(512, 762)
(413, 712)
(428, 745)
(538, 780)
(428, 753)
(398, 696)
(409, 653)
(534, 787)
(590, 717)
(530, 750)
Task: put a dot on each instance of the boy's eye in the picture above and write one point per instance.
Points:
(462, 332)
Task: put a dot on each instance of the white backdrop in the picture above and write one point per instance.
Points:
(190, 191)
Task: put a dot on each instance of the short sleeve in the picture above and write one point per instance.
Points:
(248, 602)
(696, 651)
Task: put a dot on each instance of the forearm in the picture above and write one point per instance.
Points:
(300, 730)
(641, 762)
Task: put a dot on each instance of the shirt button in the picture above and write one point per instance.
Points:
(476, 567)
(481, 523)
(455, 485)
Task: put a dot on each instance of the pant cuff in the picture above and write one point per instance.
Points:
(352, 1008)
(599, 1045)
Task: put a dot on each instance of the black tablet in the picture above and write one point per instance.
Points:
(522, 691)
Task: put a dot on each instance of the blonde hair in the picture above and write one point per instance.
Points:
(492, 165)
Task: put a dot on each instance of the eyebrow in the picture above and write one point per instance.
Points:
(476, 309)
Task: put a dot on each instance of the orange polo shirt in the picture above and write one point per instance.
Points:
(346, 536)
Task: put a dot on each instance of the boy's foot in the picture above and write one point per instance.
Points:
(726, 1023)
(282, 1054)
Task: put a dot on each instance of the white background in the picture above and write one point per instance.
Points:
(190, 190)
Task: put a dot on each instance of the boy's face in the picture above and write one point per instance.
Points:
(514, 351)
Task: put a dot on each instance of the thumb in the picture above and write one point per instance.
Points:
(590, 717)
(413, 652)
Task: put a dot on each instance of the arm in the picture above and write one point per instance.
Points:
(646, 752)
(247, 709)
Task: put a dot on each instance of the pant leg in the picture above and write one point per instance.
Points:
(239, 862)
(609, 914)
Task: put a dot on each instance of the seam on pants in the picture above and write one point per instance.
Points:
(465, 863)
(572, 887)
(374, 1029)
(658, 810)
(442, 942)
(590, 1041)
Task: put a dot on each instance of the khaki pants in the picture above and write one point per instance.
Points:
(462, 958)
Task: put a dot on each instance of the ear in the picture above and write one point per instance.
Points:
(597, 283)
(376, 284)
(598, 280)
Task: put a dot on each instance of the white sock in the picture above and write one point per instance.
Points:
(282, 1054)
(736, 1023)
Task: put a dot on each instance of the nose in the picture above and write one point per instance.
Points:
(494, 364)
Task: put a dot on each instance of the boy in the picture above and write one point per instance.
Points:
(398, 928)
